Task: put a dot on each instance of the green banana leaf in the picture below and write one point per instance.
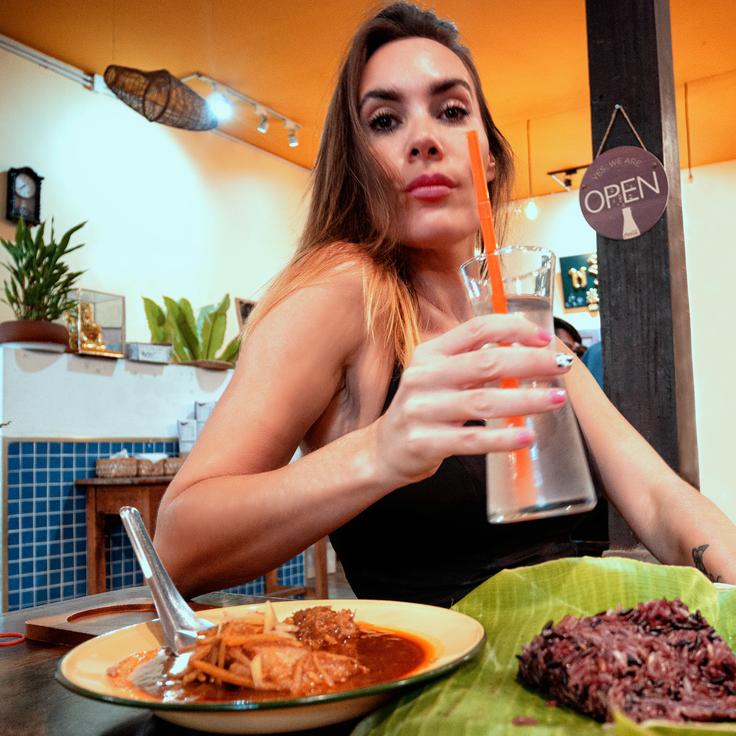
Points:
(202, 315)
(231, 351)
(186, 311)
(185, 342)
(187, 327)
(182, 353)
(156, 321)
(483, 697)
(213, 330)
(626, 727)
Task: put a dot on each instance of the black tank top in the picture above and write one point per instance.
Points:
(430, 542)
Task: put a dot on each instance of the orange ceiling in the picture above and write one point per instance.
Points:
(531, 55)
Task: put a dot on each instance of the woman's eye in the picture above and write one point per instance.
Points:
(454, 113)
(382, 122)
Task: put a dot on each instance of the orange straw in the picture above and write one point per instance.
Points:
(498, 298)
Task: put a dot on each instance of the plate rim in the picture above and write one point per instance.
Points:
(244, 706)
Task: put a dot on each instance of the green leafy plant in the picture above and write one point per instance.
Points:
(190, 338)
(40, 281)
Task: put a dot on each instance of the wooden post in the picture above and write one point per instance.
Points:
(645, 318)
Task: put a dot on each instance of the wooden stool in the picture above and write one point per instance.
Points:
(105, 496)
(319, 590)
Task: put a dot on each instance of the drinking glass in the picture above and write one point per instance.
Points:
(553, 478)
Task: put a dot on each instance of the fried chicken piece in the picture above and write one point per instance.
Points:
(320, 628)
(301, 671)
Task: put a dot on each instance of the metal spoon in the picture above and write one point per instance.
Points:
(178, 622)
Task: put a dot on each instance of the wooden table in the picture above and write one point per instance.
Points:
(32, 703)
(105, 496)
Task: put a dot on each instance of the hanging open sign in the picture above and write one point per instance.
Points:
(624, 192)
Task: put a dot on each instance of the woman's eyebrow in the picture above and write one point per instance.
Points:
(445, 85)
(389, 95)
(392, 95)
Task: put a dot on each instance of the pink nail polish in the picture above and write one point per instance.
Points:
(558, 396)
(524, 436)
(544, 335)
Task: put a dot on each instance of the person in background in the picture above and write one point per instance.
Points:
(570, 336)
(592, 357)
(365, 353)
(593, 361)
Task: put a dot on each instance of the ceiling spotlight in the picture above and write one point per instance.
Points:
(565, 177)
(220, 106)
(262, 126)
(293, 142)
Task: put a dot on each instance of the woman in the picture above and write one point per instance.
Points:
(363, 353)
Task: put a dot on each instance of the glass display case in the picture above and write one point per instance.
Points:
(96, 323)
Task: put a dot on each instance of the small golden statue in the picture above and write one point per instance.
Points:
(96, 323)
(91, 336)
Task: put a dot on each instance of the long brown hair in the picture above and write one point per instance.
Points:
(354, 209)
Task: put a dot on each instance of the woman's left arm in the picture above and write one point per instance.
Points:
(677, 524)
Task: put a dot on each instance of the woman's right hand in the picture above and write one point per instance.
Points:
(449, 381)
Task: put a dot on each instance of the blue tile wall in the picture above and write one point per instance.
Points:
(47, 525)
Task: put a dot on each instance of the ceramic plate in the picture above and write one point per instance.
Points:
(454, 636)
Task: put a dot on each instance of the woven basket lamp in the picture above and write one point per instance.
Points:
(160, 97)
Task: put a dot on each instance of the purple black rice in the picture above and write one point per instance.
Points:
(657, 660)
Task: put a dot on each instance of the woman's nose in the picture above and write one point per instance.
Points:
(425, 147)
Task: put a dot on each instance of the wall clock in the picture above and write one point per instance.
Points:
(24, 196)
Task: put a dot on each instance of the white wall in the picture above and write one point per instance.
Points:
(170, 212)
(708, 209)
(49, 395)
(709, 205)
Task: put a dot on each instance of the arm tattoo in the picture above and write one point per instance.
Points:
(698, 553)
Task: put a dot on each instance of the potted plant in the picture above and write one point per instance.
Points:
(38, 287)
(194, 341)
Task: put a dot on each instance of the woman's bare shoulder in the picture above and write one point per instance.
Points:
(343, 262)
(321, 307)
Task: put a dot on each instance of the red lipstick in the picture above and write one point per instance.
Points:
(430, 187)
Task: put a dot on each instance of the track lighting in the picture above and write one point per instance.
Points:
(293, 141)
(262, 126)
(230, 95)
(220, 106)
